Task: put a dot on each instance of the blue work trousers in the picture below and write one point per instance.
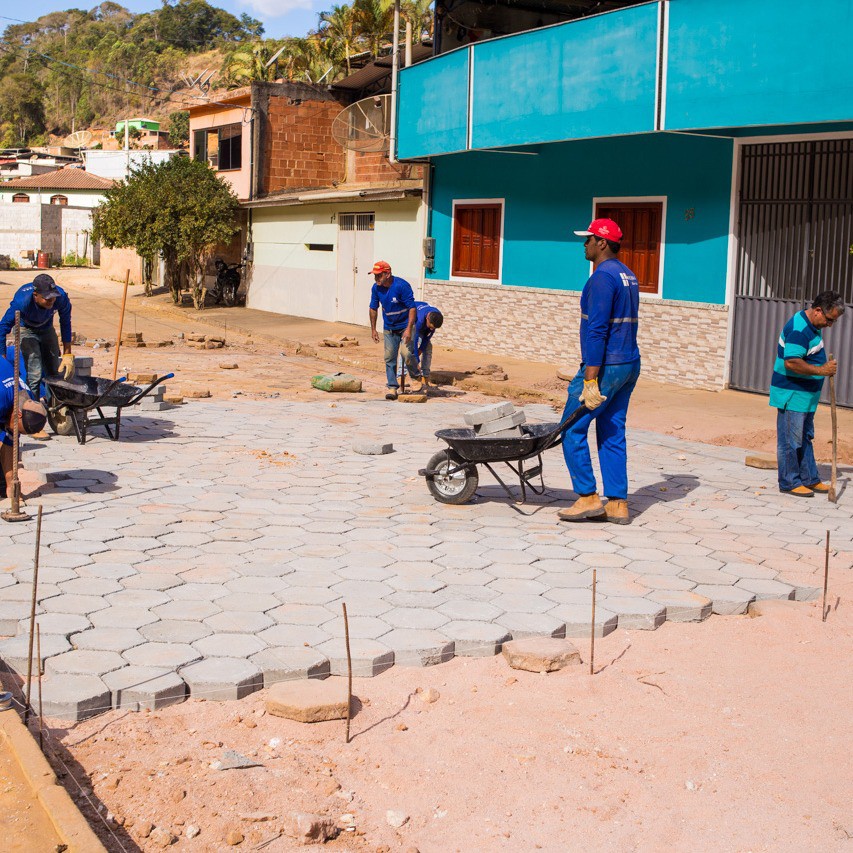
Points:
(794, 451)
(392, 338)
(616, 382)
(40, 349)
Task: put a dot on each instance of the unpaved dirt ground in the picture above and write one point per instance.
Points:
(732, 734)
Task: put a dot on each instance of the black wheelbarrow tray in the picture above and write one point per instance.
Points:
(71, 400)
(452, 477)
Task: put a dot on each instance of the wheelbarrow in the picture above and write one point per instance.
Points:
(452, 476)
(70, 402)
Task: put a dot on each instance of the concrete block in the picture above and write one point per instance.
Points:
(222, 678)
(238, 622)
(374, 448)
(683, 606)
(475, 639)
(15, 651)
(138, 687)
(309, 701)
(727, 600)
(578, 619)
(486, 414)
(521, 625)
(414, 647)
(74, 697)
(369, 657)
(541, 654)
(165, 655)
(807, 593)
(763, 588)
(11, 612)
(84, 662)
(765, 461)
(107, 639)
(639, 614)
(229, 645)
(514, 432)
(501, 424)
(286, 664)
(175, 631)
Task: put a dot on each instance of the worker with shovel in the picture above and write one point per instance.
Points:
(395, 296)
(418, 353)
(798, 373)
(610, 367)
(38, 302)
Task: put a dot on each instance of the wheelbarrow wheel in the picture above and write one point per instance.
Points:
(60, 421)
(455, 488)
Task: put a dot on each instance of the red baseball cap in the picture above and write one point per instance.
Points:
(380, 266)
(605, 228)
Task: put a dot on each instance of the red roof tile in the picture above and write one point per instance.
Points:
(61, 179)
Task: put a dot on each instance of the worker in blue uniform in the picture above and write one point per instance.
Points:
(610, 367)
(38, 302)
(395, 296)
(418, 356)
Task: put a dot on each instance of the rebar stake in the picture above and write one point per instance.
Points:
(592, 628)
(14, 513)
(349, 668)
(41, 673)
(33, 616)
(825, 580)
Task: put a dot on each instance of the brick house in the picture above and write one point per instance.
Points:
(316, 215)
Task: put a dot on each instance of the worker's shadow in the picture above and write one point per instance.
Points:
(136, 429)
(84, 480)
(673, 487)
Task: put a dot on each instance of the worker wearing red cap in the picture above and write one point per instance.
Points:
(395, 296)
(610, 366)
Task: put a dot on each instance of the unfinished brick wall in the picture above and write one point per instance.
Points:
(373, 167)
(298, 149)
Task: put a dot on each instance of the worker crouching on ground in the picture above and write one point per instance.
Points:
(610, 366)
(798, 373)
(38, 301)
(395, 296)
(31, 420)
(418, 354)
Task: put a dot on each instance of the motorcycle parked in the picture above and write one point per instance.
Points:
(227, 282)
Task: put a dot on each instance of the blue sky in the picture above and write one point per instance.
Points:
(280, 17)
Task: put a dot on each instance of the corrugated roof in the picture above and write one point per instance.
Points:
(61, 179)
(378, 69)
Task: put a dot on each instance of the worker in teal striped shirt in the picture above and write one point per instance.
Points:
(798, 373)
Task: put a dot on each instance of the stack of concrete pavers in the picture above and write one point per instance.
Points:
(153, 401)
(83, 365)
(500, 420)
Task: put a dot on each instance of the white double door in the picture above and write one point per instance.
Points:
(355, 261)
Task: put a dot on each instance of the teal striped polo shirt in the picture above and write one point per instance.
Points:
(793, 391)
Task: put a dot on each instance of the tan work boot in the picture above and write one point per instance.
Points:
(820, 488)
(617, 511)
(588, 506)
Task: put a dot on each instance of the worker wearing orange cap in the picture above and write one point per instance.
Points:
(395, 296)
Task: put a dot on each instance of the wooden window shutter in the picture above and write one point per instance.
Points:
(476, 240)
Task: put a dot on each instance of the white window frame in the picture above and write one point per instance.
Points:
(471, 278)
(641, 199)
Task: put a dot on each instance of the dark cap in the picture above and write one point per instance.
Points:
(45, 286)
(33, 416)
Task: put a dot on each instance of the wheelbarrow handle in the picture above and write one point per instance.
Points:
(567, 422)
(148, 390)
(112, 386)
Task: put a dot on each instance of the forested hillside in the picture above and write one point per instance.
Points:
(76, 70)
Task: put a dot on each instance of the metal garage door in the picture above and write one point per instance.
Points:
(795, 236)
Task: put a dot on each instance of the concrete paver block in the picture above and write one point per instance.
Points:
(414, 647)
(251, 602)
(369, 657)
(107, 639)
(15, 651)
(683, 606)
(504, 425)
(766, 461)
(521, 625)
(11, 612)
(74, 697)
(639, 614)
(138, 687)
(374, 448)
(175, 631)
(229, 645)
(63, 624)
(807, 593)
(238, 622)
(476, 639)
(165, 655)
(762, 588)
(309, 701)
(541, 654)
(485, 414)
(222, 679)
(286, 664)
(727, 600)
(578, 620)
(123, 617)
(84, 662)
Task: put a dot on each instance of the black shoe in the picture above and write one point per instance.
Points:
(391, 395)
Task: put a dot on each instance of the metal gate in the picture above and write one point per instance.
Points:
(795, 237)
(355, 259)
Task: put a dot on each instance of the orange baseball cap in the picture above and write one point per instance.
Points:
(380, 266)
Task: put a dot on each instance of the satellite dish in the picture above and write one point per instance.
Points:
(364, 125)
(78, 139)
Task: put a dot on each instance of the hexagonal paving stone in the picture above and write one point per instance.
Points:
(473, 611)
(198, 592)
(81, 605)
(123, 617)
(683, 606)
(415, 617)
(256, 602)
(138, 598)
(766, 589)
(294, 636)
(257, 584)
(578, 620)
(107, 639)
(369, 657)
(222, 678)
(138, 687)
(639, 614)
(89, 586)
(523, 625)
(239, 622)
(162, 655)
(284, 664)
(56, 623)
(476, 639)
(74, 697)
(186, 610)
(175, 631)
(229, 645)
(84, 662)
(709, 576)
(522, 603)
(152, 580)
(726, 600)
(414, 583)
(300, 614)
(413, 647)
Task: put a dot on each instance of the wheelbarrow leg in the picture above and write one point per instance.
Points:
(104, 421)
(79, 428)
(118, 422)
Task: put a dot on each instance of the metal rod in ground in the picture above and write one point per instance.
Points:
(833, 480)
(41, 673)
(33, 616)
(15, 513)
(825, 580)
(349, 668)
(592, 628)
(120, 324)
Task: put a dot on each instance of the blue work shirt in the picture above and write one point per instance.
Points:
(7, 396)
(610, 304)
(396, 301)
(422, 334)
(34, 317)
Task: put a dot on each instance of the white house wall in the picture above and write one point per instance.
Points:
(288, 278)
(77, 198)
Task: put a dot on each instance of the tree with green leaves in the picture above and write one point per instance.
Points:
(178, 210)
(340, 28)
(179, 128)
(22, 107)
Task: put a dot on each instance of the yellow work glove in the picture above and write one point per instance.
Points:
(66, 366)
(591, 396)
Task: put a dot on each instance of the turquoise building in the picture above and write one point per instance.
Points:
(717, 133)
